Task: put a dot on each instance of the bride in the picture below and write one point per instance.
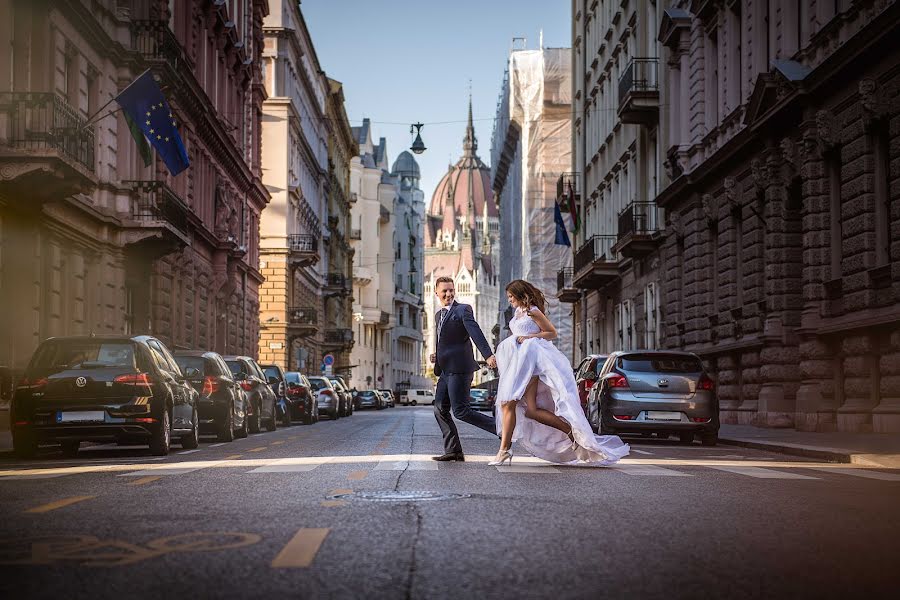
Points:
(538, 399)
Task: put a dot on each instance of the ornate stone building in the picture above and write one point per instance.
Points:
(781, 261)
(90, 239)
(461, 231)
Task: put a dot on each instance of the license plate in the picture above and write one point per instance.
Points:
(659, 415)
(80, 416)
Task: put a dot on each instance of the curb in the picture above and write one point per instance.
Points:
(836, 455)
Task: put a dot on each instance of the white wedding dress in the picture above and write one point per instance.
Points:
(556, 392)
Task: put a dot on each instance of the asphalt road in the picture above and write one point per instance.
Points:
(356, 509)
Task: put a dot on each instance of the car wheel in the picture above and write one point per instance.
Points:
(25, 445)
(226, 429)
(160, 439)
(254, 420)
(413, 403)
(286, 420)
(335, 415)
(192, 440)
(710, 439)
(272, 424)
(243, 431)
(70, 448)
(686, 438)
(316, 419)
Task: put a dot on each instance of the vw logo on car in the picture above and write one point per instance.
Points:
(80, 382)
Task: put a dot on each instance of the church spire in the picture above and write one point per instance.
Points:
(470, 144)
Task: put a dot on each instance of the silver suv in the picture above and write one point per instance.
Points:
(655, 391)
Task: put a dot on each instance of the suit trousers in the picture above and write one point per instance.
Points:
(451, 397)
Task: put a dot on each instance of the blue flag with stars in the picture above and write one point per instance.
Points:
(562, 238)
(145, 104)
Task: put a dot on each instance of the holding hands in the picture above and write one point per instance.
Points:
(492, 361)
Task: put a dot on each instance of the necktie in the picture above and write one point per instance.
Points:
(444, 312)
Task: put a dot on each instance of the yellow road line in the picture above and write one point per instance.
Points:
(260, 449)
(357, 475)
(144, 480)
(330, 503)
(58, 504)
(302, 549)
(341, 491)
(233, 456)
(278, 442)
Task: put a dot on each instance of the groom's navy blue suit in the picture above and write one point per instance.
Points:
(455, 331)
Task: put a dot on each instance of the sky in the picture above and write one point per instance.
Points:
(407, 61)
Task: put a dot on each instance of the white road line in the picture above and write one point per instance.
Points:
(189, 451)
(411, 465)
(217, 445)
(641, 452)
(174, 470)
(762, 473)
(23, 477)
(285, 465)
(867, 473)
(526, 469)
(650, 470)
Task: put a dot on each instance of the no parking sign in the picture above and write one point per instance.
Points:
(327, 362)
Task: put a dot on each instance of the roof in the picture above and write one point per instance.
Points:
(406, 165)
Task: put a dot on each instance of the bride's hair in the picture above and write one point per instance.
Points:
(527, 294)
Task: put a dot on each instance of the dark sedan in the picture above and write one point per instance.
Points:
(301, 399)
(369, 399)
(103, 389)
(221, 405)
(261, 399)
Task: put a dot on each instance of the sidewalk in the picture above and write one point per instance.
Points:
(871, 449)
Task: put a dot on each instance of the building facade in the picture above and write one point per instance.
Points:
(531, 152)
(91, 240)
(407, 349)
(294, 255)
(614, 284)
(461, 234)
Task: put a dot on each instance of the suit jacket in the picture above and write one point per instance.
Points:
(454, 345)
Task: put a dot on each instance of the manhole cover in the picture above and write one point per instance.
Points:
(394, 496)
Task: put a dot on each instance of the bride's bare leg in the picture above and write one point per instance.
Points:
(508, 419)
(542, 415)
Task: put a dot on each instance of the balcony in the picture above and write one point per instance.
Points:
(156, 44)
(568, 194)
(384, 320)
(596, 264)
(302, 321)
(340, 337)
(362, 276)
(384, 215)
(639, 232)
(303, 249)
(161, 219)
(337, 284)
(356, 234)
(565, 288)
(639, 92)
(46, 150)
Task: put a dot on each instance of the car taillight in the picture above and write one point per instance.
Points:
(247, 386)
(706, 384)
(618, 381)
(210, 385)
(623, 417)
(701, 419)
(326, 392)
(134, 379)
(588, 384)
(37, 382)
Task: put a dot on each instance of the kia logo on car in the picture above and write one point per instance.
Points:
(81, 382)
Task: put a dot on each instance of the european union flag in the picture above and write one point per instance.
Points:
(145, 104)
(562, 238)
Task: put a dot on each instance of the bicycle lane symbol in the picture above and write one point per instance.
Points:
(91, 551)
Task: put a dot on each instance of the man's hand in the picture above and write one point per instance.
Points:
(432, 357)
(492, 361)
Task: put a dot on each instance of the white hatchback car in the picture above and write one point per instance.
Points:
(415, 397)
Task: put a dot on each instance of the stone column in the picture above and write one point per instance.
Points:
(886, 416)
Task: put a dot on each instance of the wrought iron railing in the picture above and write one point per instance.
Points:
(339, 336)
(44, 121)
(303, 242)
(640, 75)
(302, 315)
(567, 187)
(338, 280)
(564, 279)
(598, 247)
(155, 41)
(156, 201)
(639, 218)
(385, 318)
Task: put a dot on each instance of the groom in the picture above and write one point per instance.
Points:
(455, 331)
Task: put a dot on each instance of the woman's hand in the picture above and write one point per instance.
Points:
(522, 338)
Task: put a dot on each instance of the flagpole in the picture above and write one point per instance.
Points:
(111, 100)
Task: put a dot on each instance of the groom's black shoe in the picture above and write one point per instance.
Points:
(457, 456)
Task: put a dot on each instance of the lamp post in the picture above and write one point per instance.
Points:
(418, 146)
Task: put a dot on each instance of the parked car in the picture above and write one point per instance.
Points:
(102, 389)
(275, 378)
(261, 399)
(656, 391)
(480, 399)
(301, 399)
(586, 373)
(326, 396)
(344, 394)
(369, 399)
(389, 397)
(416, 396)
(222, 403)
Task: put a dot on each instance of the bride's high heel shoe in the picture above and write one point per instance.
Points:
(505, 455)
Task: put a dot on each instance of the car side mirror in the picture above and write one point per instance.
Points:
(240, 377)
(192, 372)
(273, 380)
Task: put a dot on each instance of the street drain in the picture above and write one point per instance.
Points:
(395, 496)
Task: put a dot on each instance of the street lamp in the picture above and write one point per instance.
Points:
(418, 146)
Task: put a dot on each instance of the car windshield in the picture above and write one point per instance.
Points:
(478, 393)
(272, 372)
(236, 366)
(293, 378)
(598, 364)
(367, 393)
(190, 362)
(318, 384)
(660, 363)
(83, 354)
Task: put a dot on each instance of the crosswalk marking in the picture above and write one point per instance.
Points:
(406, 464)
(189, 451)
(649, 470)
(636, 451)
(867, 473)
(174, 470)
(285, 465)
(762, 473)
(511, 468)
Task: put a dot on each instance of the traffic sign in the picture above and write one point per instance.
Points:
(328, 360)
